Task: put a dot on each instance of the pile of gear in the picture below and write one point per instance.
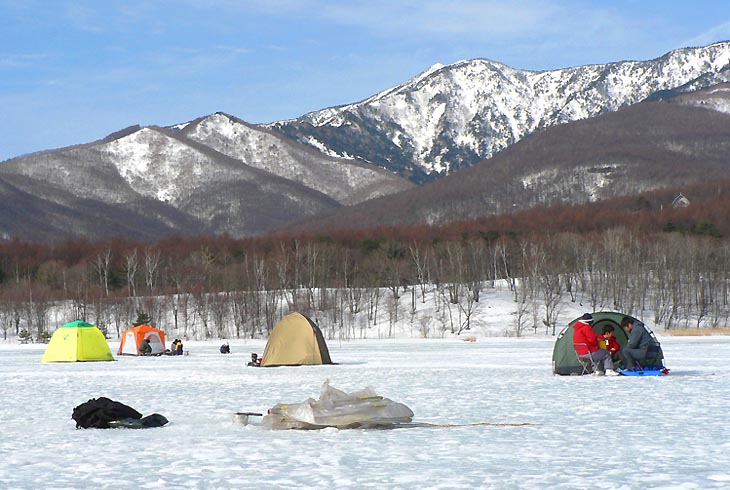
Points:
(360, 409)
(103, 413)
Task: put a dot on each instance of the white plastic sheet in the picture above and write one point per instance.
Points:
(335, 408)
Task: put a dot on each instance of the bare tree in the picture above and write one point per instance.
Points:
(522, 306)
(219, 306)
(151, 266)
(130, 267)
(102, 266)
(419, 256)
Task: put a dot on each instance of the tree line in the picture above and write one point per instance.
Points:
(219, 287)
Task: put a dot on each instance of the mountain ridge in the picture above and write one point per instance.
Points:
(219, 174)
(458, 114)
(644, 147)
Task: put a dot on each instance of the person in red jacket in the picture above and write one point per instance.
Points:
(607, 336)
(585, 343)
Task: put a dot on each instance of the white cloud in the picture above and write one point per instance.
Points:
(270, 7)
(187, 61)
(20, 60)
(461, 17)
(402, 17)
(82, 17)
(720, 32)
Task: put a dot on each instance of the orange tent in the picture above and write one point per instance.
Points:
(132, 337)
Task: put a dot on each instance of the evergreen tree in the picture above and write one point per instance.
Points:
(143, 319)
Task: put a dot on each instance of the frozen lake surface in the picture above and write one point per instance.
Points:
(588, 432)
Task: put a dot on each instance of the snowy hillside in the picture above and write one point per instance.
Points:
(346, 181)
(218, 174)
(453, 116)
(675, 143)
(148, 183)
(160, 166)
(717, 98)
(214, 175)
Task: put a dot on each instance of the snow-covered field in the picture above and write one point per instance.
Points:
(588, 432)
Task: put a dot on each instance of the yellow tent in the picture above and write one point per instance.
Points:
(294, 341)
(77, 341)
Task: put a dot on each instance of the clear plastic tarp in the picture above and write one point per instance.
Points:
(335, 408)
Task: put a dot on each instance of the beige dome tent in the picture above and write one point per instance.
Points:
(294, 341)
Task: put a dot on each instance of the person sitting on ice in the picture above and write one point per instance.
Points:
(255, 360)
(608, 338)
(145, 349)
(638, 345)
(225, 348)
(585, 343)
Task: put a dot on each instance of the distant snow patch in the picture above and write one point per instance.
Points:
(588, 180)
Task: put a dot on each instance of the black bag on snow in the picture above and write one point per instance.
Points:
(98, 412)
(152, 420)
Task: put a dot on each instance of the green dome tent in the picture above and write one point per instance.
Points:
(565, 361)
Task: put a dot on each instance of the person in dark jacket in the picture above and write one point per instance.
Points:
(255, 360)
(635, 349)
(585, 343)
(145, 348)
(225, 348)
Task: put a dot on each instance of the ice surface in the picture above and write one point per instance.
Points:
(590, 432)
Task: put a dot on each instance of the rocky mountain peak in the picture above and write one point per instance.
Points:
(453, 116)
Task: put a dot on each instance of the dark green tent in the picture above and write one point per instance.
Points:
(565, 362)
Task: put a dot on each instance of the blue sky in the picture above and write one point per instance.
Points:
(72, 71)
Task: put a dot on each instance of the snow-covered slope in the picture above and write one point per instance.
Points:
(346, 181)
(153, 182)
(717, 98)
(159, 166)
(672, 144)
(454, 116)
(219, 174)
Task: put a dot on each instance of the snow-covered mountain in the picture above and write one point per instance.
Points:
(218, 174)
(680, 143)
(346, 181)
(453, 116)
(213, 175)
(147, 183)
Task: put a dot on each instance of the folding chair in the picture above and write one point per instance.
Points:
(588, 364)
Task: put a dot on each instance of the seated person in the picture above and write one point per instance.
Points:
(610, 343)
(585, 343)
(255, 360)
(145, 349)
(225, 348)
(635, 349)
(179, 348)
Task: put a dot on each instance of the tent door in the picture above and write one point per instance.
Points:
(130, 344)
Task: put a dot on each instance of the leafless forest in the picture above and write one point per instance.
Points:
(203, 288)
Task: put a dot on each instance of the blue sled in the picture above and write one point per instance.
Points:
(648, 371)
